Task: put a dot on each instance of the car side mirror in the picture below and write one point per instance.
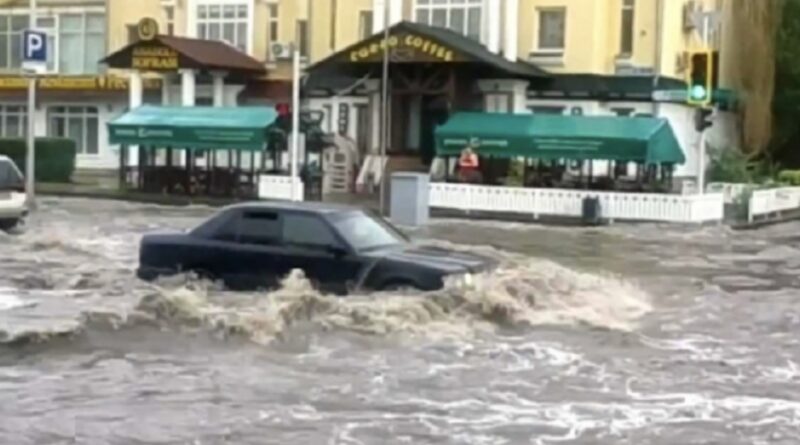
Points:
(336, 251)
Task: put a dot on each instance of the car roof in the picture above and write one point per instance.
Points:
(311, 207)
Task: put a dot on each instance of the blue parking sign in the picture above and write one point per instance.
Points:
(34, 46)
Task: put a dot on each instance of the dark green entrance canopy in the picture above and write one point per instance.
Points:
(239, 128)
(635, 139)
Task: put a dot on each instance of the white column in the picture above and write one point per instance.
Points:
(512, 28)
(395, 11)
(135, 89)
(378, 11)
(187, 88)
(493, 25)
(135, 96)
(219, 87)
(166, 81)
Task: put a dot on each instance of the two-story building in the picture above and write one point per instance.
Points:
(525, 56)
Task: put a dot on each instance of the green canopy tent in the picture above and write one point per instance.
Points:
(208, 129)
(644, 140)
(647, 141)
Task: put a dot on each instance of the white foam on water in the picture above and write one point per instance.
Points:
(9, 300)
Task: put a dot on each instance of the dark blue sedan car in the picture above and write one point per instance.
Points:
(340, 249)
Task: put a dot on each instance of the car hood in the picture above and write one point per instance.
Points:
(448, 261)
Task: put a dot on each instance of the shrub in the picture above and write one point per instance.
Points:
(789, 177)
(55, 157)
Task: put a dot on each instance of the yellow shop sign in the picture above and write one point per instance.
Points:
(154, 58)
(417, 47)
(75, 83)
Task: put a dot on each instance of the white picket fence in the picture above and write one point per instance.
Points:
(569, 203)
(772, 201)
(278, 187)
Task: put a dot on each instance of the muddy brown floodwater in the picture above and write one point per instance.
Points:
(620, 335)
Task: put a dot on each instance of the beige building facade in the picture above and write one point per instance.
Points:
(605, 57)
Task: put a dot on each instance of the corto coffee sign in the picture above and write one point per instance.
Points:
(404, 46)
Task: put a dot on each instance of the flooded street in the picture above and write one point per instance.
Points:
(618, 335)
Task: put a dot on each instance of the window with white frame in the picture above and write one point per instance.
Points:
(228, 22)
(11, 27)
(81, 42)
(13, 121)
(364, 24)
(461, 16)
(77, 123)
(272, 22)
(169, 15)
(552, 30)
(626, 31)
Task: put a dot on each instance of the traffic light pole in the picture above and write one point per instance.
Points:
(701, 162)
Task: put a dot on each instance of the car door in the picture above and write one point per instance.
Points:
(253, 259)
(311, 245)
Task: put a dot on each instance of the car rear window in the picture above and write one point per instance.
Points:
(307, 230)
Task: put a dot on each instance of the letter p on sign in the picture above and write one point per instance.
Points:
(34, 50)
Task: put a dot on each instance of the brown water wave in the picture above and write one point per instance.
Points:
(522, 292)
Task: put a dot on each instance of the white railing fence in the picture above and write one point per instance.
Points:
(770, 201)
(569, 203)
(278, 187)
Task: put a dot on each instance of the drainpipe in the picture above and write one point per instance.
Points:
(658, 51)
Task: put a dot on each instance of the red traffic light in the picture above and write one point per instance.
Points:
(283, 109)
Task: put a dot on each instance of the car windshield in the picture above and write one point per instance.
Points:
(10, 176)
(366, 232)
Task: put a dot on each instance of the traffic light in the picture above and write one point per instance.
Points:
(702, 118)
(700, 81)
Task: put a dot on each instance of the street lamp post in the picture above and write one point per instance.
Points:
(384, 125)
(295, 143)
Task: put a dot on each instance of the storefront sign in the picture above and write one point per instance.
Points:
(154, 58)
(406, 47)
(344, 118)
(76, 83)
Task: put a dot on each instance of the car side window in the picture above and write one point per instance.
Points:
(307, 230)
(259, 227)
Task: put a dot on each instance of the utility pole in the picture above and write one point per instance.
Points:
(384, 126)
(701, 164)
(30, 158)
(295, 118)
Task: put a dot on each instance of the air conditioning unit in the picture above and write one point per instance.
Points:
(689, 8)
(280, 51)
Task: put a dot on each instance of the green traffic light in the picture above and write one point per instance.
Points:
(698, 92)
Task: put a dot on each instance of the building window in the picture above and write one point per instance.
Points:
(552, 30)
(626, 32)
(77, 123)
(169, 16)
(273, 22)
(11, 27)
(227, 22)
(302, 37)
(547, 109)
(461, 16)
(13, 121)
(48, 25)
(81, 43)
(364, 24)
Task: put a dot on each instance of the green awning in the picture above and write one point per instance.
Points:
(636, 139)
(239, 128)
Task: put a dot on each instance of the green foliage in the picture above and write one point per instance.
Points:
(789, 177)
(55, 157)
(729, 165)
(516, 172)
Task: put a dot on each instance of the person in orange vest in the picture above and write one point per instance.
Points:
(468, 166)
